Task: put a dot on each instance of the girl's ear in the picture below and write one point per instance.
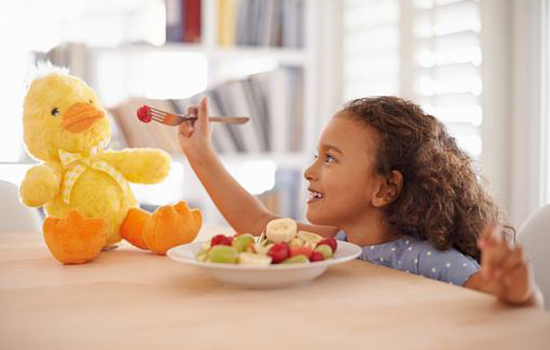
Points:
(389, 190)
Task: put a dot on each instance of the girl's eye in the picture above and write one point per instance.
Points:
(329, 158)
(315, 156)
(55, 111)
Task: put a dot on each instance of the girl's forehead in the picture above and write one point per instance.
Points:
(349, 135)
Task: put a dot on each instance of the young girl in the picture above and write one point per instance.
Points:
(389, 178)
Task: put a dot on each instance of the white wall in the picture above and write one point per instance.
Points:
(526, 165)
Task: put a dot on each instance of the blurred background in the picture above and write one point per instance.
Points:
(481, 66)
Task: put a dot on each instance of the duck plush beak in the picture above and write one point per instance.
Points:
(81, 117)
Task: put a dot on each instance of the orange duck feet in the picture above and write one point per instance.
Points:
(167, 227)
(170, 226)
(132, 227)
(75, 239)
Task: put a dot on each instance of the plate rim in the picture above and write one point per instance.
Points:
(172, 253)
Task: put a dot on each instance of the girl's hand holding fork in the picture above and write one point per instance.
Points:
(195, 136)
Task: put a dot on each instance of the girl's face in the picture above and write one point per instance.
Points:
(342, 179)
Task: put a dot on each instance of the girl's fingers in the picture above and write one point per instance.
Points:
(192, 110)
(494, 250)
(490, 235)
(517, 284)
(514, 259)
(203, 113)
(511, 261)
(186, 128)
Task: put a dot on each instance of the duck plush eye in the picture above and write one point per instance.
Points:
(91, 102)
(55, 111)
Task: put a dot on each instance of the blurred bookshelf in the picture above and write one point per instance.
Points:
(250, 57)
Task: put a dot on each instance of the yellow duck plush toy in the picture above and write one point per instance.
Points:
(84, 188)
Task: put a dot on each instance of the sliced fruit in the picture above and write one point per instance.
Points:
(316, 256)
(296, 242)
(298, 259)
(220, 240)
(326, 250)
(242, 242)
(281, 230)
(205, 246)
(254, 259)
(262, 248)
(310, 238)
(300, 250)
(223, 254)
(331, 242)
(279, 252)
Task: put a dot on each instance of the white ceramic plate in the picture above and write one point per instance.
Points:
(272, 276)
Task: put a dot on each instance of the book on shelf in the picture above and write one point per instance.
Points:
(226, 22)
(278, 23)
(297, 125)
(258, 106)
(240, 106)
(174, 20)
(192, 21)
(183, 21)
(222, 101)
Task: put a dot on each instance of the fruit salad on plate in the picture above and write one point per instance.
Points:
(282, 244)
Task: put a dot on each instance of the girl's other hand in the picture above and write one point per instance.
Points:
(195, 135)
(504, 268)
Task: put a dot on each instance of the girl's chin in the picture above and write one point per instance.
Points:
(316, 219)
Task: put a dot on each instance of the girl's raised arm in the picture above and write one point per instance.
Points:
(243, 211)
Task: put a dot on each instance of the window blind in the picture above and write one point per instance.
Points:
(437, 63)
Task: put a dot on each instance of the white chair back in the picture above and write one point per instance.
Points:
(534, 234)
(14, 216)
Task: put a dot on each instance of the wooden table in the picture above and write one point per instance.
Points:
(130, 299)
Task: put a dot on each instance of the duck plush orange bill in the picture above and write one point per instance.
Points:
(84, 188)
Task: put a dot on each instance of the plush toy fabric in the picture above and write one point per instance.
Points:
(85, 188)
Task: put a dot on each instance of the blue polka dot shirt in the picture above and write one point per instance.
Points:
(421, 258)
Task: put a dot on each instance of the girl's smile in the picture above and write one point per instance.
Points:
(314, 196)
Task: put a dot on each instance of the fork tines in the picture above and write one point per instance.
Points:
(161, 116)
(160, 113)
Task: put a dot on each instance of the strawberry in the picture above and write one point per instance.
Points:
(316, 256)
(144, 114)
(331, 242)
(300, 249)
(221, 240)
(279, 252)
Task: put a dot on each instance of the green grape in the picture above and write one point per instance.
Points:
(326, 250)
(223, 254)
(296, 259)
(240, 243)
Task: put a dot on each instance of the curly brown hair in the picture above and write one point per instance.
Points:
(443, 200)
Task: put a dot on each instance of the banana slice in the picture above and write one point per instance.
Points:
(254, 259)
(310, 238)
(281, 230)
(260, 248)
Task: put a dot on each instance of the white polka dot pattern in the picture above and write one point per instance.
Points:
(420, 258)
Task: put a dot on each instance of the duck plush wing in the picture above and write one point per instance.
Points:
(140, 165)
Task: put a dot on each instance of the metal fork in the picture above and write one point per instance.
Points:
(172, 119)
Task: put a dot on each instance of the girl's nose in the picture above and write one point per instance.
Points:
(309, 173)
